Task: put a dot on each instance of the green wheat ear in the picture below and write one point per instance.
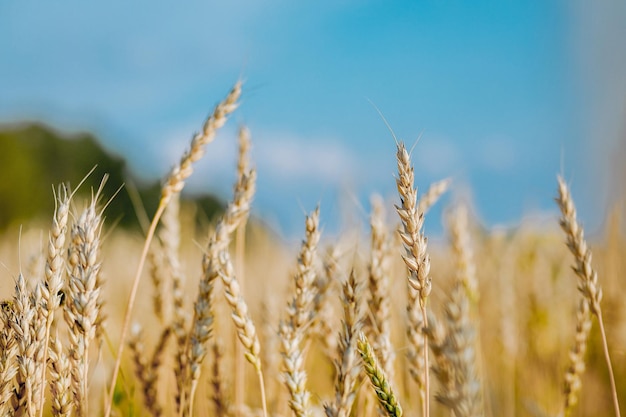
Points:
(386, 397)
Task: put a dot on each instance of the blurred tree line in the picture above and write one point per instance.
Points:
(34, 159)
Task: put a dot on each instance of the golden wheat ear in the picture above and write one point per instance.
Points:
(347, 364)
(173, 184)
(378, 322)
(587, 277)
(417, 261)
(292, 330)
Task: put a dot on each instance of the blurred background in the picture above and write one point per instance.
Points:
(502, 96)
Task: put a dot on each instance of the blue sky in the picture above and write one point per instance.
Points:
(502, 94)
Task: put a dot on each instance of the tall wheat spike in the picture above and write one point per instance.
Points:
(380, 302)
(347, 366)
(82, 312)
(22, 323)
(587, 276)
(299, 315)
(201, 327)
(174, 183)
(8, 355)
(416, 257)
(246, 331)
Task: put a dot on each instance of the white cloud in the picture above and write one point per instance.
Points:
(283, 159)
(287, 157)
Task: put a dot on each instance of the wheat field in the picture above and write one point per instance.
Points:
(232, 321)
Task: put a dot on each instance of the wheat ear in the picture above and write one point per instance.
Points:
(169, 236)
(60, 379)
(323, 326)
(243, 166)
(587, 276)
(201, 328)
(147, 367)
(82, 313)
(347, 365)
(246, 330)
(385, 394)
(299, 310)
(40, 341)
(416, 258)
(52, 290)
(174, 183)
(380, 305)
(21, 323)
(432, 195)
(8, 355)
(220, 402)
(576, 367)
(461, 393)
(462, 249)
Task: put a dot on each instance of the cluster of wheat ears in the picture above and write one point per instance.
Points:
(53, 327)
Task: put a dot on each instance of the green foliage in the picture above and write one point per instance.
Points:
(34, 158)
